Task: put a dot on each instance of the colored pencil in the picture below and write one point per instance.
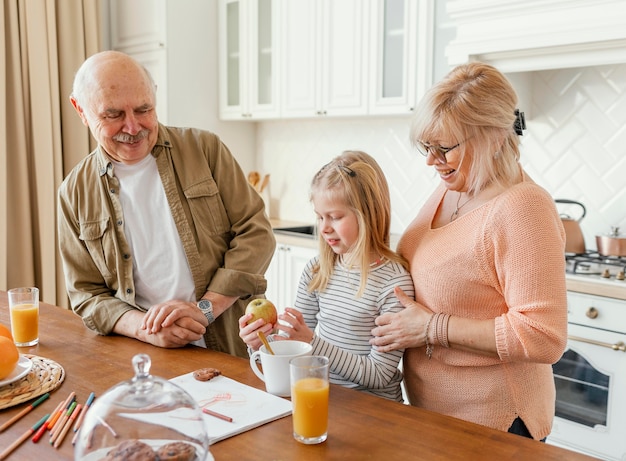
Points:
(68, 425)
(105, 424)
(44, 427)
(88, 403)
(8, 450)
(24, 411)
(62, 422)
(217, 415)
(66, 404)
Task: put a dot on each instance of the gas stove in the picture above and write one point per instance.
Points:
(595, 266)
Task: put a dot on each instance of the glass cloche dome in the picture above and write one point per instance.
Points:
(144, 418)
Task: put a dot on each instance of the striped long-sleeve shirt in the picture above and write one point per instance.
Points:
(343, 324)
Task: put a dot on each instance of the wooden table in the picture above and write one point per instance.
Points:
(361, 426)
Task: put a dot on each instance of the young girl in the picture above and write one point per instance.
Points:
(344, 289)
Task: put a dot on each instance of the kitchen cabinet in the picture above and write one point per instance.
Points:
(401, 59)
(324, 58)
(137, 26)
(311, 58)
(283, 274)
(248, 59)
(519, 36)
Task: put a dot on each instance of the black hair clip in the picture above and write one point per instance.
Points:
(520, 122)
(349, 171)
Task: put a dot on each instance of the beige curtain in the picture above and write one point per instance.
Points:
(41, 138)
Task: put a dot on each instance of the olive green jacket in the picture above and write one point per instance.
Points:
(226, 236)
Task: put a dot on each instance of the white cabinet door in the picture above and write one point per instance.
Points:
(295, 261)
(283, 274)
(248, 59)
(401, 55)
(138, 25)
(324, 57)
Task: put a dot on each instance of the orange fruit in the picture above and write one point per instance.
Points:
(9, 355)
(6, 332)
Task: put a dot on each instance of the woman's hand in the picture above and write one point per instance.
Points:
(248, 333)
(295, 327)
(403, 329)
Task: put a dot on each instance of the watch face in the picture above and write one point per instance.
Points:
(206, 307)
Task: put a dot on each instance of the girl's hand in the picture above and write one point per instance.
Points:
(403, 329)
(296, 329)
(248, 333)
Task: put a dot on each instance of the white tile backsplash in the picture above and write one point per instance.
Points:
(575, 147)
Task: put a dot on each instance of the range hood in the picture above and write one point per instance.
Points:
(520, 36)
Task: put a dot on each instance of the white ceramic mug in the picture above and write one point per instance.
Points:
(275, 372)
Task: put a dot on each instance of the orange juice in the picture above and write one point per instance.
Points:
(310, 407)
(25, 323)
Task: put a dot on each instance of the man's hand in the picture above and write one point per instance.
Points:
(182, 323)
(166, 314)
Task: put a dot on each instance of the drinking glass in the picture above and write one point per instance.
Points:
(24, 310)
(309, 396)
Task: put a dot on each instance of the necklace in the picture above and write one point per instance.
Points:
(455, 213)
(350, 266)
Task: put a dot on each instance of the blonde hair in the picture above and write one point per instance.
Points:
(475, 105)
(355, 179)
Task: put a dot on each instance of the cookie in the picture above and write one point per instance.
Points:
(176, 451)
(131, 450)
(205, 374)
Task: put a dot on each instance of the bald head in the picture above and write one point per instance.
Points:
(103, 69)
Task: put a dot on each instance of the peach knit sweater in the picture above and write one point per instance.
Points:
(502, 260)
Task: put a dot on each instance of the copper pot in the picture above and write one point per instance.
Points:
(613, 244)
(574, 239)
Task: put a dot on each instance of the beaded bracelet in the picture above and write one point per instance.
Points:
(441, 329)
(429, 345)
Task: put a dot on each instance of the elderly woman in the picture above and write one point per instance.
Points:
(486, 254)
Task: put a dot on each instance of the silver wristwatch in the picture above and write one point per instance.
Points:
(206, 307)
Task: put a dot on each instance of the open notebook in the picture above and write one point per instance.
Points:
(247, 406)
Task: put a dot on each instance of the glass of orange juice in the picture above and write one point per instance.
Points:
(309, 396)
(24, 309)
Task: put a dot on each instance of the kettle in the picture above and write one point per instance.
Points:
(574, 239)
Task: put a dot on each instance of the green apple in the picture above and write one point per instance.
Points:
(262, 309)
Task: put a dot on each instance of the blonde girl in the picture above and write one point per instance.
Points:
(344, 289)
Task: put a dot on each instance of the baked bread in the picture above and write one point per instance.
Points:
(205, 374)
(176, 451)
(131, 450)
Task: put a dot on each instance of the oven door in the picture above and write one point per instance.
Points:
(590, 384)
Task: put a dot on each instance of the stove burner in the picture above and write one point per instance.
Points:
(593, 263)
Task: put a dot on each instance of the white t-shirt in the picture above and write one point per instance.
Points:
(160, 268)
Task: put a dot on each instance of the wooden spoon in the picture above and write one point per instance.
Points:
(265, 342)
(254, 178)
(266, 180)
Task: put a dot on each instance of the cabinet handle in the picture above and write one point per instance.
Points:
(619, 346)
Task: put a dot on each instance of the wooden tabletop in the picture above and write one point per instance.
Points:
(361, 426)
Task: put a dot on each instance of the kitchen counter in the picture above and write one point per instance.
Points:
(596, 286)
(307, 241)
(578, 283)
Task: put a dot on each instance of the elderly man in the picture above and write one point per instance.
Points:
(161, 237)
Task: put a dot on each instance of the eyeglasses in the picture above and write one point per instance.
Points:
(438, 152)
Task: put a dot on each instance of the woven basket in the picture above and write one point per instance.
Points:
(45, 376)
